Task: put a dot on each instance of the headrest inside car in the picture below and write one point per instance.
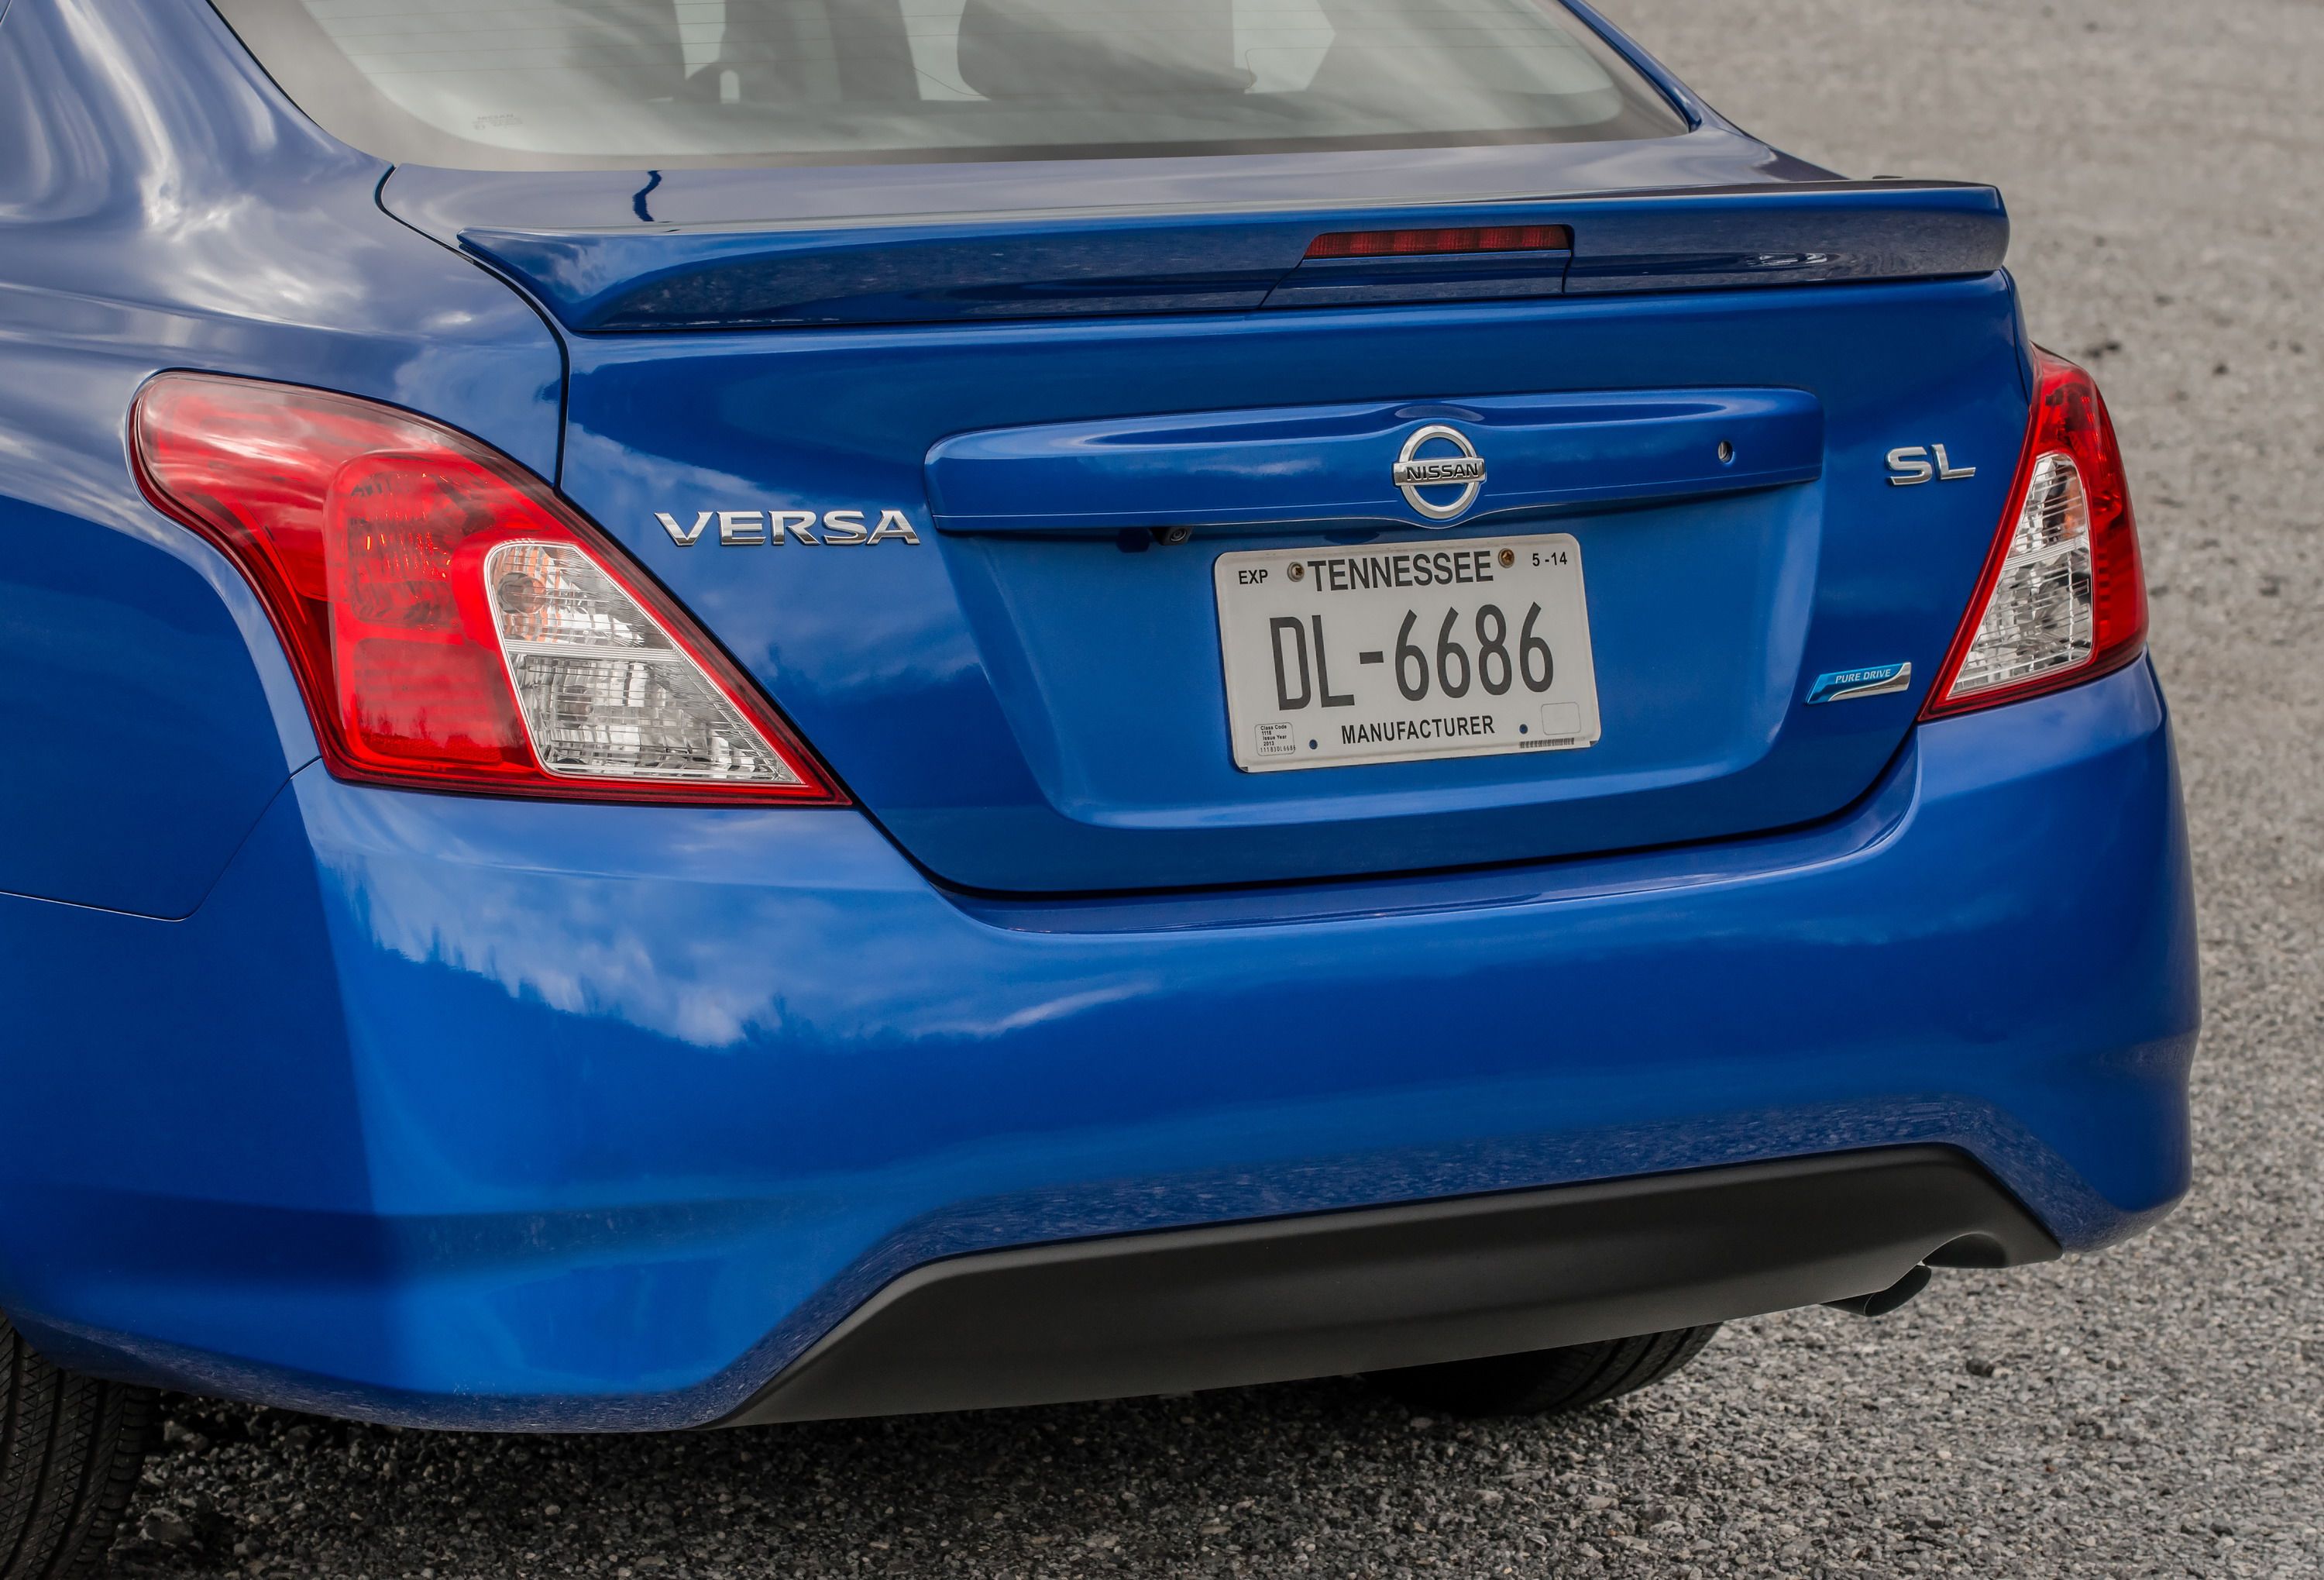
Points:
(1099, 48)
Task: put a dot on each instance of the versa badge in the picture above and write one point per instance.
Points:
(841, 528)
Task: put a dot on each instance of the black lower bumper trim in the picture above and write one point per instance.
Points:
(1323, 1294)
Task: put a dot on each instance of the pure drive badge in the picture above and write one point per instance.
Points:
(1874, 681)
(840, 529)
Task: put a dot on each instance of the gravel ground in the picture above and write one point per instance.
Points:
(2156, 1410)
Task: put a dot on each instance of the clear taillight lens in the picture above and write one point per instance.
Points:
(2037, 618)
(454, 625)
(603, 689)
(2062, 597)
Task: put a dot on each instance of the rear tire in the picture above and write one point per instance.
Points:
(1545, 1382)
(71, 1449)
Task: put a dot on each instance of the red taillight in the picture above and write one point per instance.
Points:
(453, 623)
(1410, 244)
(2063, 598)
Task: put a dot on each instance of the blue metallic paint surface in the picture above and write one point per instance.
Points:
(443, 203)
(466, 1112)
(1310, 467)
(614, 1110)
(1046, 712)
(160, 207)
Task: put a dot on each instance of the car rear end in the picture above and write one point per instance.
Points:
(1282, 691)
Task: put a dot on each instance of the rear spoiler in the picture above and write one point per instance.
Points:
(655, 277)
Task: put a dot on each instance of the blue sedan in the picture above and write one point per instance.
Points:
(749, 711)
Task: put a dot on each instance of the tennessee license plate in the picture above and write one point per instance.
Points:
(1406, 651)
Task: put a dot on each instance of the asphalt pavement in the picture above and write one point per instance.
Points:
(2155, 1409)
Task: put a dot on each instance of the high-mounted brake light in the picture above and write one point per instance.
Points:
(2063, 598)
(453, 623)
(1412, 243)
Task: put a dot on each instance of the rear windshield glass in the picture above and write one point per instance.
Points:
(535, 84)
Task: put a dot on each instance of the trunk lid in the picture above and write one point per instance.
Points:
(1029, 696)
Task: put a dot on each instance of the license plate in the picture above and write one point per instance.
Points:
(1406, 651)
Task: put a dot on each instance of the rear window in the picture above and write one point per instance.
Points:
(550, 84)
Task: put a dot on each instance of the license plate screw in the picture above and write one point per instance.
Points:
(1298, 572)
(1509, 558)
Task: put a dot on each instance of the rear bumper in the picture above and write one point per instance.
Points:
(465, 1113)
(1322, 1294)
